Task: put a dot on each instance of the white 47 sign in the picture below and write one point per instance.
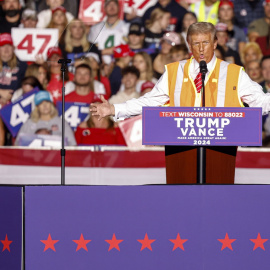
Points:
(140, 6)
(30, 42)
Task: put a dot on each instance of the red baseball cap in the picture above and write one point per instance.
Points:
(6, 38)
(146, 85)
(226, 2)
(122, 51)
(59, 8)
(266, 2)
(54, 50)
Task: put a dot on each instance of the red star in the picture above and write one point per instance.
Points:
(226, 242)
(146, 242)
(178, 242)
(81, 243)
(258, 242)
(114, 243)
(6, 244)
(49, 243)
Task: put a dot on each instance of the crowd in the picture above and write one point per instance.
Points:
(119, 58)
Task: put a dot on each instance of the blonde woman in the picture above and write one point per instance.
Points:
(155, 28)
(251, 52)
(45, 117)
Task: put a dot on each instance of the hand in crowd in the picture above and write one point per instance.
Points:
(102, 109)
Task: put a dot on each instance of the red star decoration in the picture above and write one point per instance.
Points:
(114, 243)
(81, 243)
(49, 243)
(146, 242)
(258, 242)
(6, 244)
(178, 242)
(226, 242)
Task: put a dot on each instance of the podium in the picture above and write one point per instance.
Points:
(201, 143)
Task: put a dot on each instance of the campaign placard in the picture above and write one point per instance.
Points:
(40, 140)
(30, 42)
(15, 114)
(197, 126)
(92, 11)
(140, 6)
(75, 112)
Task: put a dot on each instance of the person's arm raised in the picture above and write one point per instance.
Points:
(102, 109)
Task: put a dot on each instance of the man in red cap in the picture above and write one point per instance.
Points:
(259, 27)
(12, 70)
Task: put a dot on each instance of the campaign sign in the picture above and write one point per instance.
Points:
(92, 11)
(75, 112)
(16, 113)
(198, 126)
(11, 228)
(30, 42)
(139, 5)
(40, 140)
(196, 227)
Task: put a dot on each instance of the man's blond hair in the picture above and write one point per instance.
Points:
(202, 28)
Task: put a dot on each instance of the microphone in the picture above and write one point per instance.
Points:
(203, 67)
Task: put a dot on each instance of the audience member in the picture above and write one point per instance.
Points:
(45, 15)
(40, 71)
(179, 52)
(29, 18)
(259, 27)
(82, 89)
(45, 116)
(136, 37)
(114, 31)
(189, 18)
(28, 84)
(265, 66)
(123, 56)
(130, 76)
(251, 52)
(12, 15)
(155, 28)
(237, 37)
(264, 43)
(246, 11)
(219, 52)
(143, 62)
(206, 10)
(169, 40)
(231, 56)
(146, 87)
(254, 71)
(177, 13)
(99, 132)
(12, 70)
(56, 81)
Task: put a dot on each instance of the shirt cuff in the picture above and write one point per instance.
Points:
(119, 109)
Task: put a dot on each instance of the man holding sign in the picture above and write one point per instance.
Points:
(226, 85)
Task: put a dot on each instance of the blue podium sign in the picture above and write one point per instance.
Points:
(200, 126)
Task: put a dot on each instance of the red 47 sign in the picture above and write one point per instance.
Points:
(30, 42)
(140, 6)
(92, 11)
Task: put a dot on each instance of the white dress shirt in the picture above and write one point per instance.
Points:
(250, 93)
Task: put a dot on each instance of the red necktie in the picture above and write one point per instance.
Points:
(198, 82)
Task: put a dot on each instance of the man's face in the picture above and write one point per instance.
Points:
(82, 77)
(6, 52)
(111, 9)
(29, 23)
(129, 80)
(135, 40)
(202, 47)
(11, 5)
(225, 13)
(266, 70)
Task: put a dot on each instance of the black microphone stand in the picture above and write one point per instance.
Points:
(63, 63)
(201, 153)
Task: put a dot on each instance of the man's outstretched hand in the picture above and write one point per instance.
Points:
(102, 109)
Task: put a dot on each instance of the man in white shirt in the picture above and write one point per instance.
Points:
(202, 43)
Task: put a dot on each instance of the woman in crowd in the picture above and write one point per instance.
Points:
(164, 57)
(251, 51)
(188, 19)
(59, 21)
(40, 71)
(45, 117)
(155, 28)
(143, 62)
(101, 132)
(76, 40)
(254, 71)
